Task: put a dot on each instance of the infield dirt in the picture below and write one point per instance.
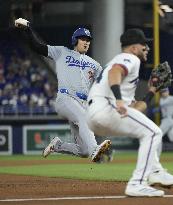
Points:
(21, 187)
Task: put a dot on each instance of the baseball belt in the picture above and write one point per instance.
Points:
(80, 95)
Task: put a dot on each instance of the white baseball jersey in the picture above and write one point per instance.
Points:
(131, 64)
(104, 119)
(166, 105)
(75, 71)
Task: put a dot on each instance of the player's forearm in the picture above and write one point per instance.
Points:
(34, 43)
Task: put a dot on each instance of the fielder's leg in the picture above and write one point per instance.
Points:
(107, 121)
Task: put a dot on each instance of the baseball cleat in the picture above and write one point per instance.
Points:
(100, 150)
(140, 190)
(51, 147)
(161, 177)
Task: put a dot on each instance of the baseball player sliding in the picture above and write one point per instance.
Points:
(112, 110)
(75, 72)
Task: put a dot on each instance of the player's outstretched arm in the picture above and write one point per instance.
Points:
(30, 37)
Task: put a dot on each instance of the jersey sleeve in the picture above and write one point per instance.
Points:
(126, 62)
(54, 52)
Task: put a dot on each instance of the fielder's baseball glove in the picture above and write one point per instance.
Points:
(161, 76)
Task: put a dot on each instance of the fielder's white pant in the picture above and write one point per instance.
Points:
(74, 111)
(104, 120)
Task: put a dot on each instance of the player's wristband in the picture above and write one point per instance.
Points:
(116, 91)
(148, 97)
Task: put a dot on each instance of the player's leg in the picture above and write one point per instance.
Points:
(158, 174)
(83, 137)
(149, 136)
(165, 127)
(82, 149)
(170, 132)
(75, 112)
(108, 122)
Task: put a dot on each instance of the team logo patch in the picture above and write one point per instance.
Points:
(127, 60)
(87, 32)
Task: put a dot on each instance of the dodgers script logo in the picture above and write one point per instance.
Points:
(76, 63)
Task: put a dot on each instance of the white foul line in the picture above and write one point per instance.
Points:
(72, 198)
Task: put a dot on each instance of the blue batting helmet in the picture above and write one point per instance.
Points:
(80, 32)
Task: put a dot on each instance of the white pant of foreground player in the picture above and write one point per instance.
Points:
(104, 120)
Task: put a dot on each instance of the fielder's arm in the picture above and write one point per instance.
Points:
(115, 76)
(30, 37)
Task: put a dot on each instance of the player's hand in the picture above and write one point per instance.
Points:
(121, 108)
(152, 89)
(21, 23)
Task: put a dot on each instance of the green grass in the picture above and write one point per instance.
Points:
(131, 155)
(35, 157)
(106, 172)
(90, 171)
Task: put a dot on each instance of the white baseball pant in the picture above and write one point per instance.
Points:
(104, 120)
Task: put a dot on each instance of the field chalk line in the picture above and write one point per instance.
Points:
(72, 198)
